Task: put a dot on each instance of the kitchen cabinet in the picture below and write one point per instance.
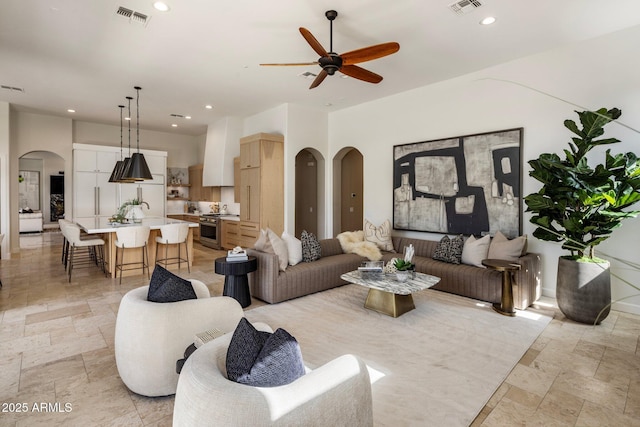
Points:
(198, 192)
(261, 186)
(95, 196)
(230, 234)
(94, 161)
(236, 179)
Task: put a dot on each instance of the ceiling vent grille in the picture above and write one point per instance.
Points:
(133, 16)
(12, 88)
(307, 75)
(177, 115)
(464, 6)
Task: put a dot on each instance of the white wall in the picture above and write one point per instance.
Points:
(182, 150)
(4, 179)
(594, 74)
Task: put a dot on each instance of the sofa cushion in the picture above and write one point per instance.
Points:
(311, 250)
(261, 359)
(475, 250)
(503, 248)
(380, 236)
(449, 250)
(167, 287)
(294, 248)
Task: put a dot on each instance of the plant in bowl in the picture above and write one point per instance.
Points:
(403, 268)
(579, 206)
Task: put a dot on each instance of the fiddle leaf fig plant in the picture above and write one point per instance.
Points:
(578, 204)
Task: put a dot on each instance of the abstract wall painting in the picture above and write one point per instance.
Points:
(463, 185)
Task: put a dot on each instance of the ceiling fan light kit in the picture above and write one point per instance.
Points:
(330, 62)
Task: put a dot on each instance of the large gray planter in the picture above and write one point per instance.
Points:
(583, 290)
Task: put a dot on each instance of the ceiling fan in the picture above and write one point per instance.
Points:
(330, 62)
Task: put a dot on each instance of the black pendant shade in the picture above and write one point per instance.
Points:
(137, 169)
(116, 175)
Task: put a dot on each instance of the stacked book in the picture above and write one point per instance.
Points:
(237, 256)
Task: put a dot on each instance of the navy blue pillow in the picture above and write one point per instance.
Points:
(167, 287)
(261, 359)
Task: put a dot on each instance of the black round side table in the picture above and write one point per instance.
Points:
(236, 282)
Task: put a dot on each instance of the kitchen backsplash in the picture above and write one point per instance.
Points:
(226, 198)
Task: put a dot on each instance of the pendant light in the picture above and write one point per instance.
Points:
(127, 160)
(116, 175)
(138, 168)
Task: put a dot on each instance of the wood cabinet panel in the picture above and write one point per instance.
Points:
(198, 192)
(261, 192)
(230, 234)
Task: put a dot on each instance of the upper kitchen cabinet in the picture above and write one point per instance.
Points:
(94, 161)
(198, 192)
(95, 196)
(262, 181)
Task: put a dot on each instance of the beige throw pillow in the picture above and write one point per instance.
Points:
(279, 247)
(381, 236)
(503, 248)
(294, 248)
(475, 250)
(269, 242)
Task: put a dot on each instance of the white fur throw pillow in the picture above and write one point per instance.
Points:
(352, 242)
(294, 248)
(503, 248)
(381, 236)
(475, 250)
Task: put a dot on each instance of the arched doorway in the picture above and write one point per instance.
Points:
(41, 185)
(309, 193)
(348, 212)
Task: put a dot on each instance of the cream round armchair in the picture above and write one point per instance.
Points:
(335, 394)
(150, 337)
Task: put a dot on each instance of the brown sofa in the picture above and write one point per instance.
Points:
(271, 285)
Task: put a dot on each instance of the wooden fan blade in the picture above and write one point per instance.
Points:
(369, 53)
(291, 64)
(315, 44)
(360, 73)
(323, 74)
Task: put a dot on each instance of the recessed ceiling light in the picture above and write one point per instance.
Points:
(127, 118)
(161, 6)
(208, 107)
(71, 110)
(488, 20)
(187, 117)
(174, 125)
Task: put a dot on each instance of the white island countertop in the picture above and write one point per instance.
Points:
(102, 225)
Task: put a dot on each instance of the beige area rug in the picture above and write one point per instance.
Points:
(440, 362)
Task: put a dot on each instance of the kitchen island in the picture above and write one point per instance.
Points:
(103, 227)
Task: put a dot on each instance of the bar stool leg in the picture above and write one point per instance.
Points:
(186, 251)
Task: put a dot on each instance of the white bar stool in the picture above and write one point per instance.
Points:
(94, 247)
(173, 234)
(132, 238)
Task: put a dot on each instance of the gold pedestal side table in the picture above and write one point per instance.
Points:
(505, 306)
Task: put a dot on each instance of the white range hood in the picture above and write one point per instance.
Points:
(222, 145)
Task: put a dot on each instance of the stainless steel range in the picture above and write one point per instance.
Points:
(210, 231)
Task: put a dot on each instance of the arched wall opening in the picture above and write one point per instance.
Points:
(309, 192)
(348, 202)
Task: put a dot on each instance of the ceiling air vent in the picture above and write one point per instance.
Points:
(133, 16)
(464, 6)
(176, 115)
(307, 75)
(123, 11)
(12, 88)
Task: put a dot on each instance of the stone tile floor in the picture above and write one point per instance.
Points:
(57, 349)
